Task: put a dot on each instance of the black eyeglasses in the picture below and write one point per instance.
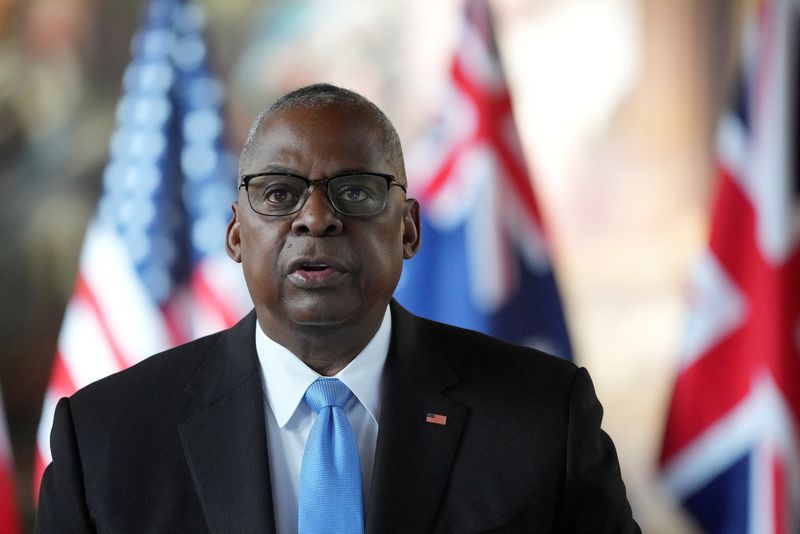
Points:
(278, 193)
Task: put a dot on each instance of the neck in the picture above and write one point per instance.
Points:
(327, 349)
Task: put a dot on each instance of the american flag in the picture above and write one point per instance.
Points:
(153, 270)
(436, 419)
(484, 263)
(9, 514)
(731, 450)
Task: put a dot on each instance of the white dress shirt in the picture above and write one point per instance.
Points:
(289, 419)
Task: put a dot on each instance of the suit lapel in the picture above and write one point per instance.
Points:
(225, 439)
(413, 457)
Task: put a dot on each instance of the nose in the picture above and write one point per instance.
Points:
(317, 217)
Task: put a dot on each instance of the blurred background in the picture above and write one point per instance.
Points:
(616, 102)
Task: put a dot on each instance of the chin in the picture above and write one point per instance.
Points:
(323, 313)
(319, 320)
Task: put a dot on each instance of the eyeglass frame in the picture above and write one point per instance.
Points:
(390, 181)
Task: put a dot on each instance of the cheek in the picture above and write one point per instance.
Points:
(385, 257)
(260, 247)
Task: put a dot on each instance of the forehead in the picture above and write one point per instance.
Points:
(323, 140)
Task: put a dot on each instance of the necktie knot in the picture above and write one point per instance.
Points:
(325, 392)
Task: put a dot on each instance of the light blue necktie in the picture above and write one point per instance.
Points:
(330, 498)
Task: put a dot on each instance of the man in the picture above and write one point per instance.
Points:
(435, 429)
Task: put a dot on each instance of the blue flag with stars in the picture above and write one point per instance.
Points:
(484, 262)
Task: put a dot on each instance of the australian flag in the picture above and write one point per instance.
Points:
(484, 260)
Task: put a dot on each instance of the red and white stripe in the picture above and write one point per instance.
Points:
(111, 322)
(9, 514)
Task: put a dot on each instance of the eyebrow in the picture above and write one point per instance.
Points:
(273, 167)
(277, 168)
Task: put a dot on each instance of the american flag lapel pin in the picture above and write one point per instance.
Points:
(436, 419)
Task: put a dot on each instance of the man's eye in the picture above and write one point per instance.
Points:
(278, 195)
(354, 193)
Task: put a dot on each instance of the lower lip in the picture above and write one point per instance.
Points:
(315, 279)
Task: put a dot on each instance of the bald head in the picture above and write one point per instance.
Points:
(323, 95)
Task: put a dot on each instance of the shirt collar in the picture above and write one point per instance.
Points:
(286, 377)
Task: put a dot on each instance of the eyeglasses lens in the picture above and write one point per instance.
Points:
(280, 194)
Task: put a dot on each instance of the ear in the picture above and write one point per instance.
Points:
(412, 231)
(233, 241)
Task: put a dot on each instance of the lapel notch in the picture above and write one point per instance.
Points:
(413, 457)
(225, 440)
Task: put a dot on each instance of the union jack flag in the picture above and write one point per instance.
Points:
(731, 450)
(484, 261)
(153, 271)
(9, 514)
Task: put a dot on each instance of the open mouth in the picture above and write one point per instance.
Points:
(314, 268)
(315, 274)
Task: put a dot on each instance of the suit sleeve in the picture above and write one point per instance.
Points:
(594, 494)
(62, 503)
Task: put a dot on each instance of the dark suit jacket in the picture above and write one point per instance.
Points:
(177, 443)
